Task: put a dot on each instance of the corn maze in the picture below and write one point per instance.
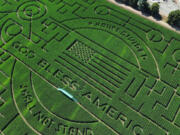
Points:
(123, 70)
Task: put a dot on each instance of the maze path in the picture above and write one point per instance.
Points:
(124, 72)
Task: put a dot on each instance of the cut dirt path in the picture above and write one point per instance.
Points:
(162, 23)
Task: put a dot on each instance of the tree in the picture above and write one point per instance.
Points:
(155, 9)
(174, 18)
(133, 3)
(143, 5)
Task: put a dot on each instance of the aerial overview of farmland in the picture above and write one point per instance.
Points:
(86, 67)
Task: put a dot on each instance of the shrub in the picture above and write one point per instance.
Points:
(155, 9)
(143, 5)
(133, 3)
(174, 18)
